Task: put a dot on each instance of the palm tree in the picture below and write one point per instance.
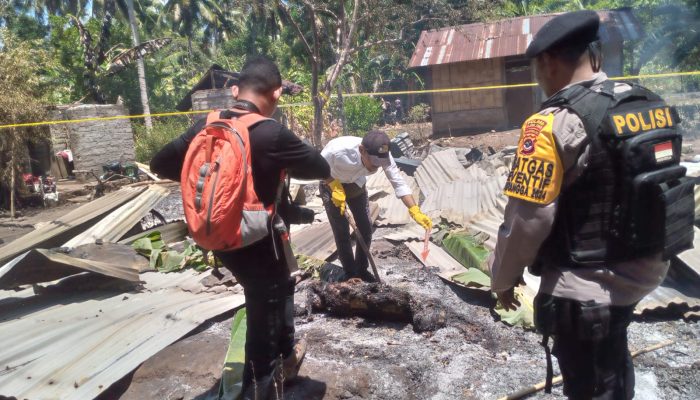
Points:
(143, 88)
(56, 7)
(188, 16)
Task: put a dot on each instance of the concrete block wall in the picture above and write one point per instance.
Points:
(95, 143)
(212, 99)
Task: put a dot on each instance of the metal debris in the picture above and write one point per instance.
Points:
(74, 345)
(118, 223)
(54, 233)
(39, 265)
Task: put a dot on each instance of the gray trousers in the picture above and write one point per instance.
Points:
(355, 266)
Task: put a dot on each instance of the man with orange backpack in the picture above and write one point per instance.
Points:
(246, 225)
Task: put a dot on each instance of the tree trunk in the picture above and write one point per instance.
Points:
(315, 71)
(12, 174)
(140, 66)
(318, 106)
(341, 110)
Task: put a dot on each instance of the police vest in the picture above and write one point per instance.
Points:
(633, 199)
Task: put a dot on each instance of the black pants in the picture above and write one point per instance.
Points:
(269, 300)
(590, 343)
(354, 266)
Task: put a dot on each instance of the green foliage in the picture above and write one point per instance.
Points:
(523, 316)
(23, 87)
(310, 264)
(163, 259)
(468, 249)
(419, 113)
(232, 377)
(300, 116)
(165, 130)
(361, 114)
(473, 278)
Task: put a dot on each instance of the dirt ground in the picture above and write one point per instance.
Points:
(420, 134)
(474, 358)
(29, 219)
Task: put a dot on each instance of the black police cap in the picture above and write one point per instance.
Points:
(578, 27)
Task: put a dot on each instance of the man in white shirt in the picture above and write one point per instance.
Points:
(351, 160)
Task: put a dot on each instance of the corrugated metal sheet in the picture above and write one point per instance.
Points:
(439, 258)
(691, 258)
(489, 224)
(408, 232)
(317, 241)
(392, 211)
(674, 291)
(682, 285)
(43, 236)
(170, 233)
(462, 200)
(39, 265)
(438, 168)
(74, 345)
(508, 37)
(118, 222)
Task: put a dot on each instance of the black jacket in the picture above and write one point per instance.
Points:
(273, 148)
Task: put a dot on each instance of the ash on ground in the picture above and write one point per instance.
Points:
(473, 357)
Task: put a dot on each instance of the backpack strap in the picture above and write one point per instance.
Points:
(589, 105)
(251, 119)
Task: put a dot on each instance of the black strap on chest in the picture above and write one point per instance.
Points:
(591, 106)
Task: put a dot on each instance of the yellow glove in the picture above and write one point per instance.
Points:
(422, 219)
(338, 195)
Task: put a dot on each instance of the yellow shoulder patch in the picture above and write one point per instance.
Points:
(537, 170)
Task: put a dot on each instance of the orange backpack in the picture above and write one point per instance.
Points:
(222, 210)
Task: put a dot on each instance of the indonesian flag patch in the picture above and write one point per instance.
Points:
(663, 152)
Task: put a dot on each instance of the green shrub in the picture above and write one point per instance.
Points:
(419, 113)
(148, 144)
(361, 114)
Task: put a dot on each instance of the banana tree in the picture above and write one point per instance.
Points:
(99, 61)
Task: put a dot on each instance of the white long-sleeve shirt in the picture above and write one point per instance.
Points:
(343, 156)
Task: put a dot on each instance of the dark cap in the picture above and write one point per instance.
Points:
(376, 143)
(578, 27)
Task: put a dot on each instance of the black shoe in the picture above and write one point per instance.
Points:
(367, 276)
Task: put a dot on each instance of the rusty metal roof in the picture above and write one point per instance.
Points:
(507, 37)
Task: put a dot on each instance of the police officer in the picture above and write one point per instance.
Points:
(579, 208)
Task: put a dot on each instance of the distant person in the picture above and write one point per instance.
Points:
(261, 268)
(399, 110)
(351, 159)
(385, 110)
(598, 203)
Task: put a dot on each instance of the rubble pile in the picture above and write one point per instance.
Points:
(111, 299)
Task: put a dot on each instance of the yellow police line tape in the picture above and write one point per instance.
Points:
(374, 94)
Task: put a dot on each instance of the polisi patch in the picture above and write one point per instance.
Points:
(663, 152)
(635, 122)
